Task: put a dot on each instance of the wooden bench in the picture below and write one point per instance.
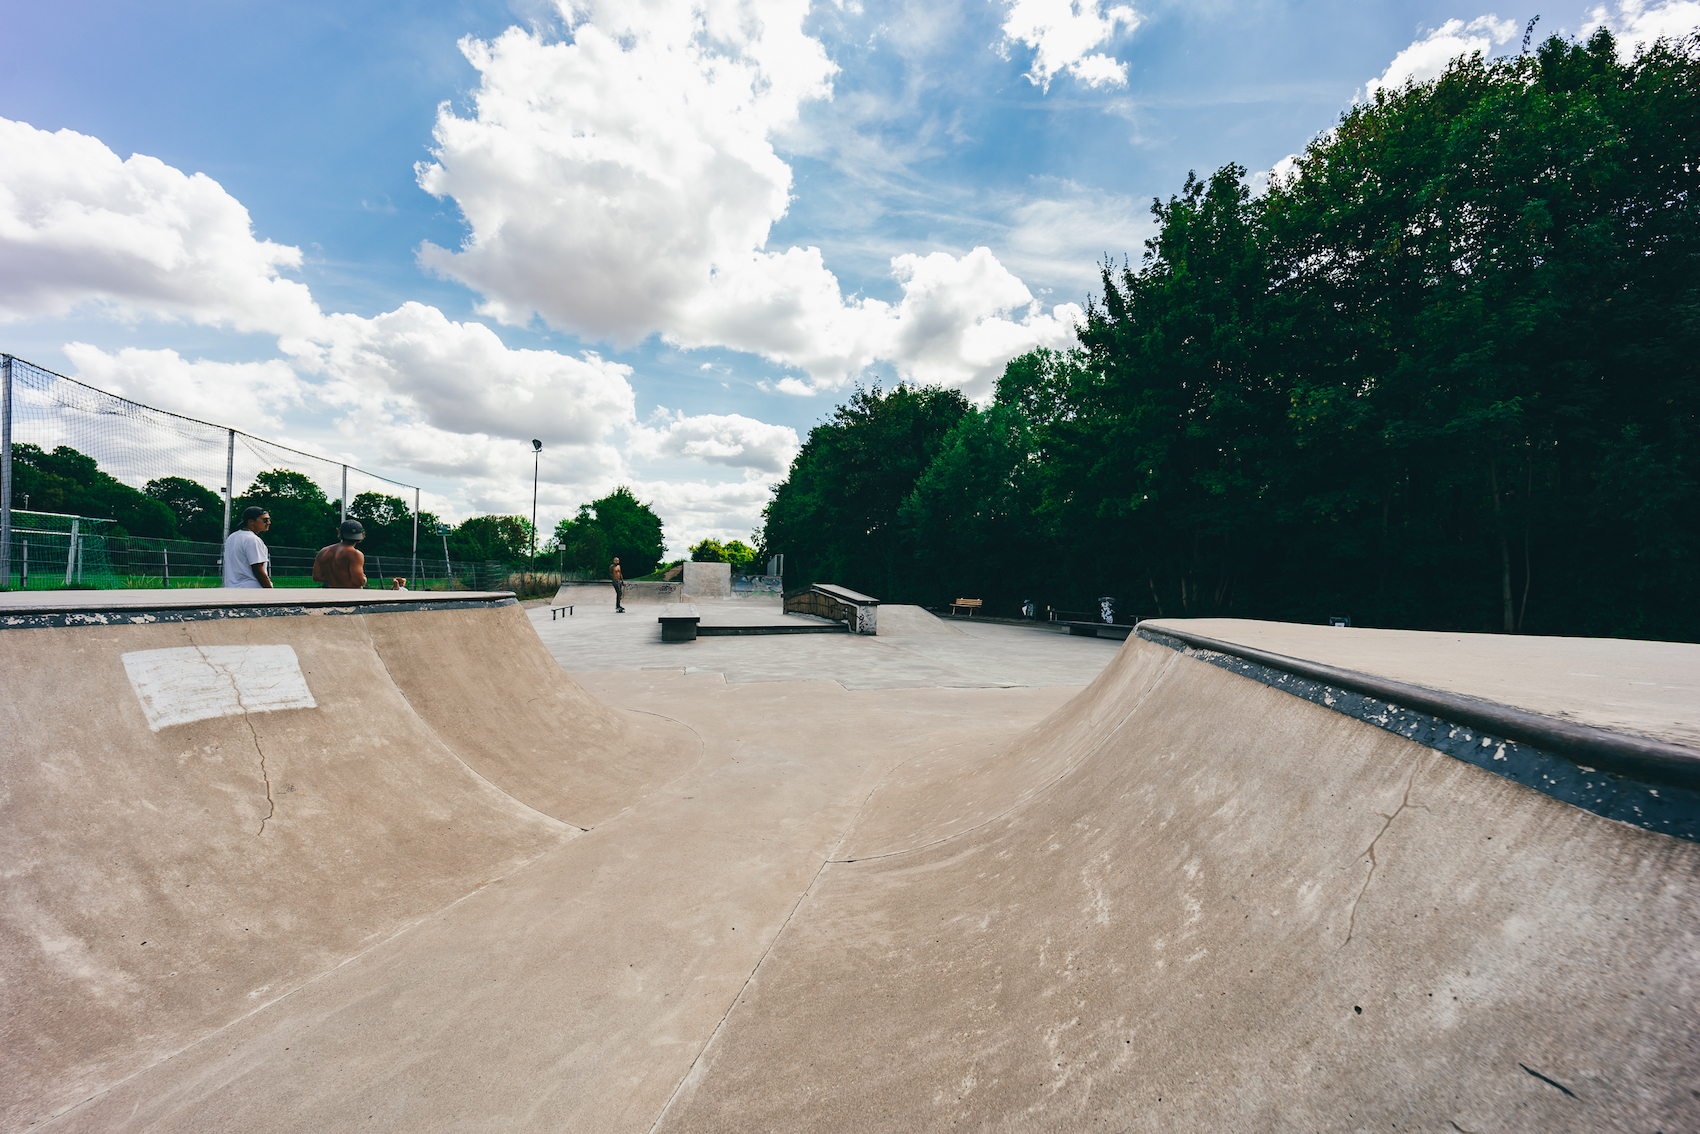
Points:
(555, 611)
(968, 604)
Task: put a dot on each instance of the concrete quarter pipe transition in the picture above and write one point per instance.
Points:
(374, 862)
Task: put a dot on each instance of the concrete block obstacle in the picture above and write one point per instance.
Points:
(679, 622)
(335, 860)
(708, 580)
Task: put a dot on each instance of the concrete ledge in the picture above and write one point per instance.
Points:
(1638, 780)
(43, 609)
(679, 622)
(739, 631)
(1096, 630)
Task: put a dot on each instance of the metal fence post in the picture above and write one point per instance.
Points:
(344, 493)
(229, 482)
(415, 539)
(5, 471)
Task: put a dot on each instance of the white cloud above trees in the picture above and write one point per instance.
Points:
(1637, 24)
(1427, 57)
(624, 183)
(1062, 35)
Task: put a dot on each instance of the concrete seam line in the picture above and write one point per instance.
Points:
(697, 1063)
(1641, 757)
(1673, 811)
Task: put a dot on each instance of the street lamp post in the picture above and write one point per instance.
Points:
(536, 456)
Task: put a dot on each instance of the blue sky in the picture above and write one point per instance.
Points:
(693, 225)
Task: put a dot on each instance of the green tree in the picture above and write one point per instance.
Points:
(740, 555)
(388, 522)
(498, 539)
(302, 516)
(618, 524)
(199, 510)
(973, 518)
(1447, 375)
(835, 516)
(70, 482)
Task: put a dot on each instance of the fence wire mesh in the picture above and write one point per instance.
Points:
(99, 490)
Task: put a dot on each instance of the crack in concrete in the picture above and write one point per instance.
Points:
(271, 805)
(1352, 914)
(247, 719)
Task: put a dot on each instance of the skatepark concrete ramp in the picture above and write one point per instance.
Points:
(1183, 898)
(207, 805)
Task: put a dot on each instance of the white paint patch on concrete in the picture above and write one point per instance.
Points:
(195, 683)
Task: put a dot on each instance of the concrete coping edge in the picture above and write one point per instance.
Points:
(58, 616)
(1642, 758)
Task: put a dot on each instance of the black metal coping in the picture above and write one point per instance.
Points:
(741, 631)
(49, 618)
(1638, 780)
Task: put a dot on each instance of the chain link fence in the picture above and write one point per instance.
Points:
(97, 490)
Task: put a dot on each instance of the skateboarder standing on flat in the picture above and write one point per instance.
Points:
(619, 586)
(247, 563)
(341, 565)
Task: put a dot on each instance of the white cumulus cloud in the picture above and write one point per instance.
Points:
(251, 396)
(81, 227)
(1636, 24)
(1428, 56)
(1062, 35)
(625, 183)
(461, 377)
(764, 451)
(694, 510)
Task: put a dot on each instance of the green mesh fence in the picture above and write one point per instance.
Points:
(50, 550)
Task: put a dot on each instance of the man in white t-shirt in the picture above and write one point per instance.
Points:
(247, 563)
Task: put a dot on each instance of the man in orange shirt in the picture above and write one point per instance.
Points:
(341, 565)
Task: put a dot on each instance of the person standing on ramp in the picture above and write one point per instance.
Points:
(341, 565)
(247, 563)
(619, 586)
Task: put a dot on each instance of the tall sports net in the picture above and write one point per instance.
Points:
(97, 490)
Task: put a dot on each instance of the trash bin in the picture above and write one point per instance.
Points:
(1107, 609)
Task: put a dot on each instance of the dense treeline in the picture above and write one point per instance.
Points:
(1446, 375)
(70, 482)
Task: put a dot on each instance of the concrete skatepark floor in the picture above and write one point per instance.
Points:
(909, 655)
(813, 883)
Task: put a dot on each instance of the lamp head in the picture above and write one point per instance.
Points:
(536, 445)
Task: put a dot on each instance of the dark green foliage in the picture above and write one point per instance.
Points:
(740, 555)
(69, 482)
(302, 516)
(199, 510)
(1446, 376)
(835, 517)
(389, 525)
(502, 539)
(618, 525)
